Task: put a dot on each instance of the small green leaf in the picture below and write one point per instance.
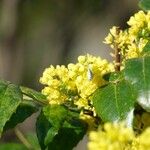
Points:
(115, 101)
(145, 4)
(42, 128)
(56, 114)
(137, 72)
(33, 94)
(23, 111)
(52, 132)
(10, 98)
(12, 146)
(69, 135)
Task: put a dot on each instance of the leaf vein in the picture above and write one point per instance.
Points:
(116, 100)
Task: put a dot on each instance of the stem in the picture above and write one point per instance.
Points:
(117, 53)
(22, 138)
(32, 94)
(40, 102)
(35, 101)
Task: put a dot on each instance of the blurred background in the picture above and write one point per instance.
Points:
(37, 33)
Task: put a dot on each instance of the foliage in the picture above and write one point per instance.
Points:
(80, 97)
(114, 101)
(145, 4)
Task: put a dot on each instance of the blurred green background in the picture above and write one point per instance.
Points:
(37, 33)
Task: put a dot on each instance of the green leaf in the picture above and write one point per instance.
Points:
(137, 72)
(23, 111)
(51, 122)
(59, 123)
(34, 94)
(52, 132)
(42, 128)
(10, 98)
(115, 101)
(146, 50)
(12, 146)
(145, 4)
(56, 114)
(69, 135)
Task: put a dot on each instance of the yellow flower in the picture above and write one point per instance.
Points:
(109, 39)
(116, 136)
(138, 19)
(144, 140)
(113, 36)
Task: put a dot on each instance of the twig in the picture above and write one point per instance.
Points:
(22, 138)
(117, 53)
(40, 102)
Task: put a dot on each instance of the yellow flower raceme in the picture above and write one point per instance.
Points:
(114, 137)
(118, 137)
(54, 78)
(132, 40)
(76, 81)
(118, 38)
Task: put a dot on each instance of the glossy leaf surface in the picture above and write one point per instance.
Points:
(10, 98)
(114, 101)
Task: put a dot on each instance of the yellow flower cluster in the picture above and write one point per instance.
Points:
(118, 137)
(132, 40)
(113, 137)
(55, 80)
(76, 82)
